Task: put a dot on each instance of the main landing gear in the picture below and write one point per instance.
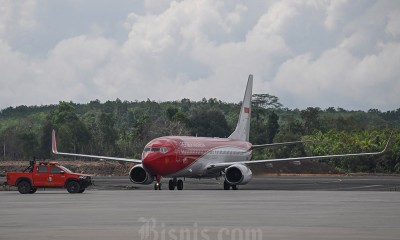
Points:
(178, 184)
(227, 186)
(172, 184)
(175, 183)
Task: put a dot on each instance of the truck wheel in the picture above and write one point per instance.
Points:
(82, 190)
(24, 187)
(73, 187)
(33, 190)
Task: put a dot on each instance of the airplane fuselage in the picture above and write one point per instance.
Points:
(189, 156)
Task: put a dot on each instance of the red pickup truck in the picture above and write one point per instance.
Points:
(48, 175)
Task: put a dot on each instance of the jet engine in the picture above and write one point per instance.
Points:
(138, 175)
(238, 174)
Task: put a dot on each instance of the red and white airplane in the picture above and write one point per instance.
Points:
(178, 157)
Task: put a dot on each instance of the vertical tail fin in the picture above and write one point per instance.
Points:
(242, 130)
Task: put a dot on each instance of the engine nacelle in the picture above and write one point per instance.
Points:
(238, 174)
(138, 175)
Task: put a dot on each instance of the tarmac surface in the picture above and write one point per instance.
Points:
(269, 182)
(119, 214)
(298, 183)
(361, 207)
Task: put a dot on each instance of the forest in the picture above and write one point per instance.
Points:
(122, 128)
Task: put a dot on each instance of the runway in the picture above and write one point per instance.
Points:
(251, 214)
(270, 207)
(297, 183)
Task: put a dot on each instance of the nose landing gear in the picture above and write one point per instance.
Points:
(157, 185)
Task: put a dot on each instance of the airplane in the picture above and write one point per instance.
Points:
(178, 157)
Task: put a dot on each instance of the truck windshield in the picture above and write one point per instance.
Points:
(65, 169)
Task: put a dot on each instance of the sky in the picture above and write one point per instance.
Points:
(307, 53)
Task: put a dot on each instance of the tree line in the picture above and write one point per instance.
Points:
(122, 128)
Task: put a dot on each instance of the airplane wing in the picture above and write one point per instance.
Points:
(54, 150)
(226, 164)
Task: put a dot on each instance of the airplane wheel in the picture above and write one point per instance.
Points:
(171, 185)
(227, 186)
(235, 187)
(179, 184)
(157, 186)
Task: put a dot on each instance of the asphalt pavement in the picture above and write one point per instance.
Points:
(293, 183)
(200, 215)
(269, 207)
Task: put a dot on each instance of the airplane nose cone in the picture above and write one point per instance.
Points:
(150, 164)
(159, 157)
(156, 164)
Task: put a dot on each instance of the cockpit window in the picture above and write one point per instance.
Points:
(163, 149)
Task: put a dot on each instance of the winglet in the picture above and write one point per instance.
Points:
(389, 142)
(53, 142)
